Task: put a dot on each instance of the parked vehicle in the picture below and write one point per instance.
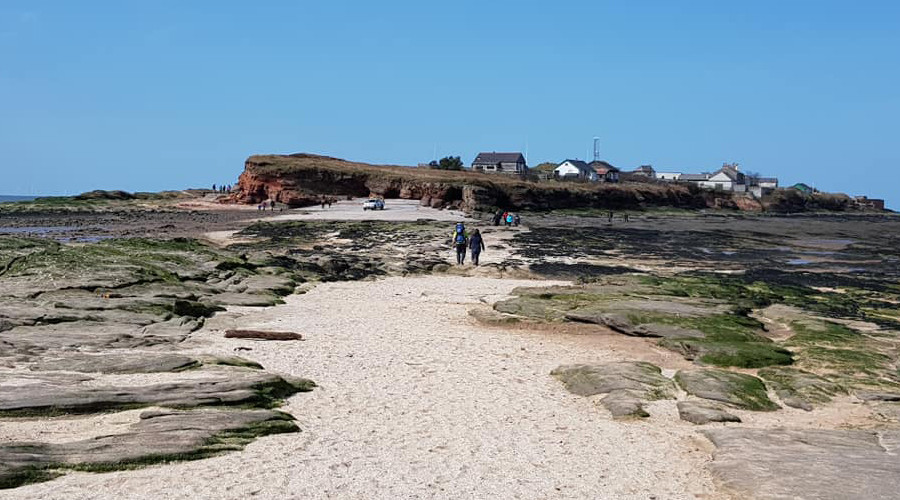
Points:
(373, 204)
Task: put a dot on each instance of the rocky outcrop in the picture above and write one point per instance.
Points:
(800, 389)
(794, 463)
(49, 393)
(627, 385)
(302, 179)
(159, 436)
(734, 389)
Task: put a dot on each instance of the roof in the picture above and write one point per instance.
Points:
(580, 165)
(602, 167)
(768, 179)
(730, 172)
(694, 177)
(644, 169)
(494, 158)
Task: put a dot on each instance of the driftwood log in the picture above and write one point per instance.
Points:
(260, 335)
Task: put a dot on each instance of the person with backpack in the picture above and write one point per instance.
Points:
(460, 241)
(476, 245)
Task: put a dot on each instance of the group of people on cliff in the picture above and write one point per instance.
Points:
(223, 188)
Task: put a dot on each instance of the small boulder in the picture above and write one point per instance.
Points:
(697, 412)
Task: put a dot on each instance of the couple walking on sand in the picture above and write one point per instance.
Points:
(463, 241)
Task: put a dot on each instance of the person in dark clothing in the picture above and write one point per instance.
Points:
(497, 217)
(516, 220)
(476, 245)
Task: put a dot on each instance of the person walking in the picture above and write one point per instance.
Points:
(509, 219)
(517, 220)
(476, 245)
(460, 241)
(497, 217)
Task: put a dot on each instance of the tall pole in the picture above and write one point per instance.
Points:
(596, 149)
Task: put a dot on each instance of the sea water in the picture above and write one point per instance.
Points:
(9, 198)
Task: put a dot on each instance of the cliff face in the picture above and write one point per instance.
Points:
(302, 179)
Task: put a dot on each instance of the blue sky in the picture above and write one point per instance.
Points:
(141, 95)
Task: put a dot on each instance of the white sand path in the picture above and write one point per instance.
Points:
(418, 401)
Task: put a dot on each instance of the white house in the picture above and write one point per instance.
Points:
(728, 178)
(575, 169)
(668, 176)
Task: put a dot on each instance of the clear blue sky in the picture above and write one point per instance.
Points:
(142, 95)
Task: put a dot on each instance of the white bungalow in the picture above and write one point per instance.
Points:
(668, 176)
(575, 169)
(728, 178)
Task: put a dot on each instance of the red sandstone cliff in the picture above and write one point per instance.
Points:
(302, 179)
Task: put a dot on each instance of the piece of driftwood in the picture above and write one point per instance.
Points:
(260, 335)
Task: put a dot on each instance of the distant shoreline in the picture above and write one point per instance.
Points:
(13, 198)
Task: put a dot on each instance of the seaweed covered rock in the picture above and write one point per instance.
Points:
(628, 384)
(159, 436)
(50, 393)
(734, 389)
(800, 389)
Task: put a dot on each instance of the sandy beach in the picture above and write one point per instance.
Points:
(418, 401)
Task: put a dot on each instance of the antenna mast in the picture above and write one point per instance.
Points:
(596, 149)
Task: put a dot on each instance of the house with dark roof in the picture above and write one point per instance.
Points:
(500, 163)
(575, 169)
(605, 171)
(803, 188)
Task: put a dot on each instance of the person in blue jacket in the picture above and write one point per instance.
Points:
(476, 245)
